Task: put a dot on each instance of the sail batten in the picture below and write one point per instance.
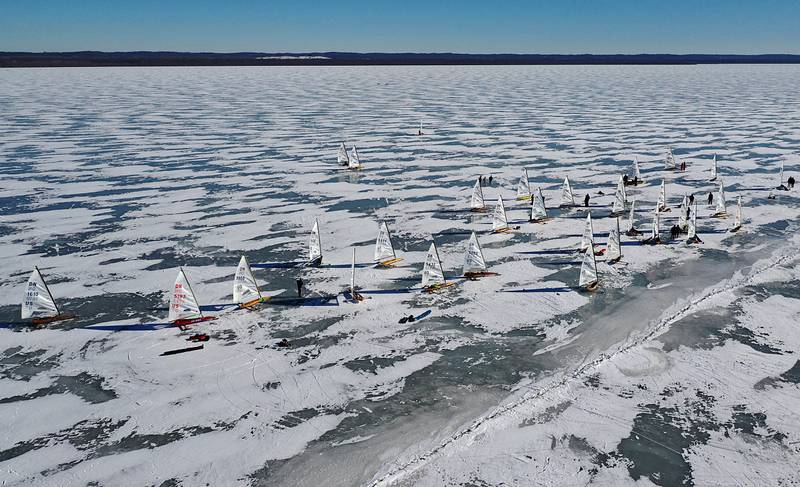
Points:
(473, 258)
(38, 302)
(245, 287)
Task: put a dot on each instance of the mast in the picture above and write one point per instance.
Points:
(353, 275)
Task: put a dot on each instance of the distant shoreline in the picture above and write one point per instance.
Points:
(152, 58)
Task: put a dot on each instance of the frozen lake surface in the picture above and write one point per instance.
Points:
(682, 369)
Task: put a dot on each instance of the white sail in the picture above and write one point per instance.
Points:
(619, 198)
(524, 186)
(342, 158)
(432, 272)
(682, 218)
(721, 206)
(354, 162)
(245, 287)
(614, 248)
(314, 245)
(737, 222)
(473, 258)
(662, 197)
(714, 168)
(692, 232)
(669, 162)
(477, 197)
(567, 197)
(587, 240)
(353, 274)
(499, 220)
(182, 303)
(38, 302)
(632, 217)
(655, 230)
(636, 173)
(588, 268)
(538, 209)
(780, 182)
(383, 244)
(621, 186)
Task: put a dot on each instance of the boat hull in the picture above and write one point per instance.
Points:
(192, 321)
(437, 287)
(52, 319)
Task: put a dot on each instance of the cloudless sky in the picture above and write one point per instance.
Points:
(487, 26)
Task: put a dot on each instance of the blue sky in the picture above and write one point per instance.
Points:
(499, 26)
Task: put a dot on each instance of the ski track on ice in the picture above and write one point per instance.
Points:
(398, 473)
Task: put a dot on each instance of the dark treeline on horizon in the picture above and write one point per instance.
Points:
(150, 58)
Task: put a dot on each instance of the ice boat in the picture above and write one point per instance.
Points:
(38, 304)
(183, 307)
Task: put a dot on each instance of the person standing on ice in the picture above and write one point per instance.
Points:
(710, 199)
(299, 287)
(790, 182)
(691, 199)
(586, 200)
(490, 179)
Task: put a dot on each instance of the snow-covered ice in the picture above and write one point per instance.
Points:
(681, 369)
